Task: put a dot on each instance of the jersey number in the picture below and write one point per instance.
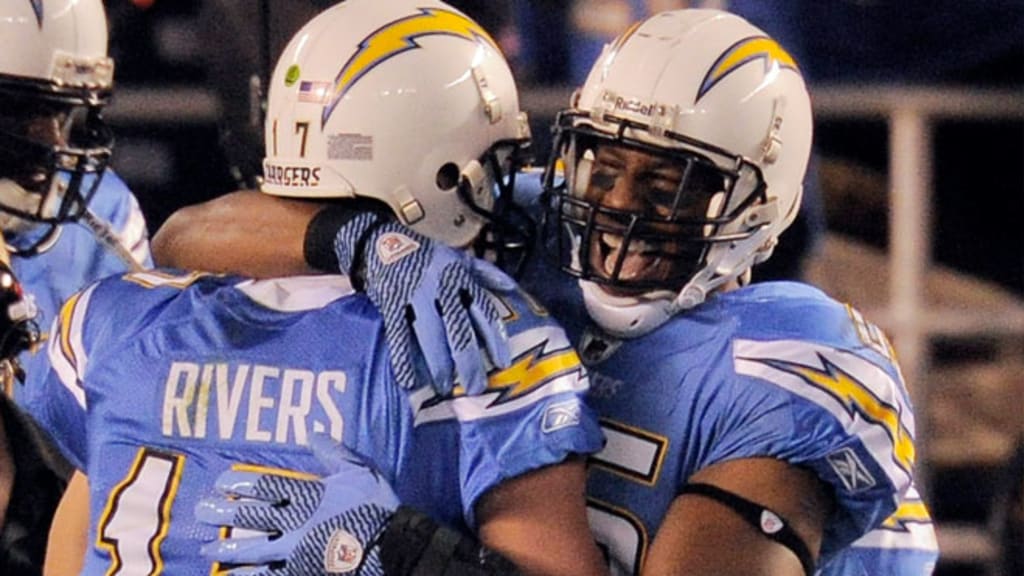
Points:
(637, 456)
(136, 516)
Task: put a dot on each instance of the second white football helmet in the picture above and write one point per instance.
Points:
(409, 103)
(722, 113)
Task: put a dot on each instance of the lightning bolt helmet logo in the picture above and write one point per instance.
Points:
(398, 37)
(752, 49)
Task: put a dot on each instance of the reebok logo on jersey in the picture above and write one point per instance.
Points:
(392, 247)
(561, 415)
(851, 470)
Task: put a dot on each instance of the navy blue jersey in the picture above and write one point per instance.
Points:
(162, 381)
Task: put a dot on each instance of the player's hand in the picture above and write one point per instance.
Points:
(306, 526)
(438, 314)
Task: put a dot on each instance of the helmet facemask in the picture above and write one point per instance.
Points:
(507, 236)
(689, 204)
(48, 171)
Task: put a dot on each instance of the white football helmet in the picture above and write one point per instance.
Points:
(410, 103)
(725, 108)
(55, 77)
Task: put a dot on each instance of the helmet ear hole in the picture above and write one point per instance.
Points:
(447, 176)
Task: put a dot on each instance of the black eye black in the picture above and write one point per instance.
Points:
(602, 180)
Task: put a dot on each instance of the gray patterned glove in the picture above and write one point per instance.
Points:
(434, 299)
(307, 526)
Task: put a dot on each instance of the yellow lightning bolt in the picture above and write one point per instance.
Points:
(744, 51)
(398, 37)
(67, 312)
(913, 511)
(854, 395)
(530, 371)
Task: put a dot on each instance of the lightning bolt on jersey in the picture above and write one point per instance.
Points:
(78, 258)
(162, 381)
(773, 370)
(904, 545)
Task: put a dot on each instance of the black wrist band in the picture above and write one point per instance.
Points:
(414, 545)
(318, 245)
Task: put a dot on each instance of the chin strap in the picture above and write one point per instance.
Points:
(627, 317)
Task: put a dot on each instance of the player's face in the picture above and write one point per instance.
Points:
(647, 221)
(44, 124)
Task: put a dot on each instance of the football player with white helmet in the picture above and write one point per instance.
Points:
(684, 155)
(65, 218)
(752, 428)
(167, 382)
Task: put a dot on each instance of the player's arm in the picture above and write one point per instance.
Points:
(69, 532)
(706, 533)
(245, 232)
(539, 521)
(430, 296)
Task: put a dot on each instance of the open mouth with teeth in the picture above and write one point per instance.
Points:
(630, 265)
(615, 258)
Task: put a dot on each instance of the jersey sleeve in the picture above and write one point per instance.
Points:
(532, 413)
(91, 322)
(116, 204)
(840, 412)
(58, 401)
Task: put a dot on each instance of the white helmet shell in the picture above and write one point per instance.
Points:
(60, 43)
(710, 83)
(398, 101)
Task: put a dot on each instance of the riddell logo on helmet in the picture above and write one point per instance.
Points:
(635, 106)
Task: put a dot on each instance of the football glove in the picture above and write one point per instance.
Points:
(438, 314)
(305, 525)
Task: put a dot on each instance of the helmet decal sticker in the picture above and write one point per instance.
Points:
(397, 37)
(37, 7)
(743, 52)
(292, 75)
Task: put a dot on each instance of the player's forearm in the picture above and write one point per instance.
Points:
(538, 520)
(247, 233)
(414, 544)
(69, 531)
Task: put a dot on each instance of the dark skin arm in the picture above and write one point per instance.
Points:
(700, 536)
(538, 521)
(245, 232)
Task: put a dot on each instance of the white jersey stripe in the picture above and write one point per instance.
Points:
(882, 420)
(67, 354)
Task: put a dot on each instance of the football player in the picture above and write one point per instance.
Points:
(164, 381)
(66, 219)
(752, 428)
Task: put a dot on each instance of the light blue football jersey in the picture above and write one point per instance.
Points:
(904, 545)
(78, 258)
(164, 380)
(770, 370)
